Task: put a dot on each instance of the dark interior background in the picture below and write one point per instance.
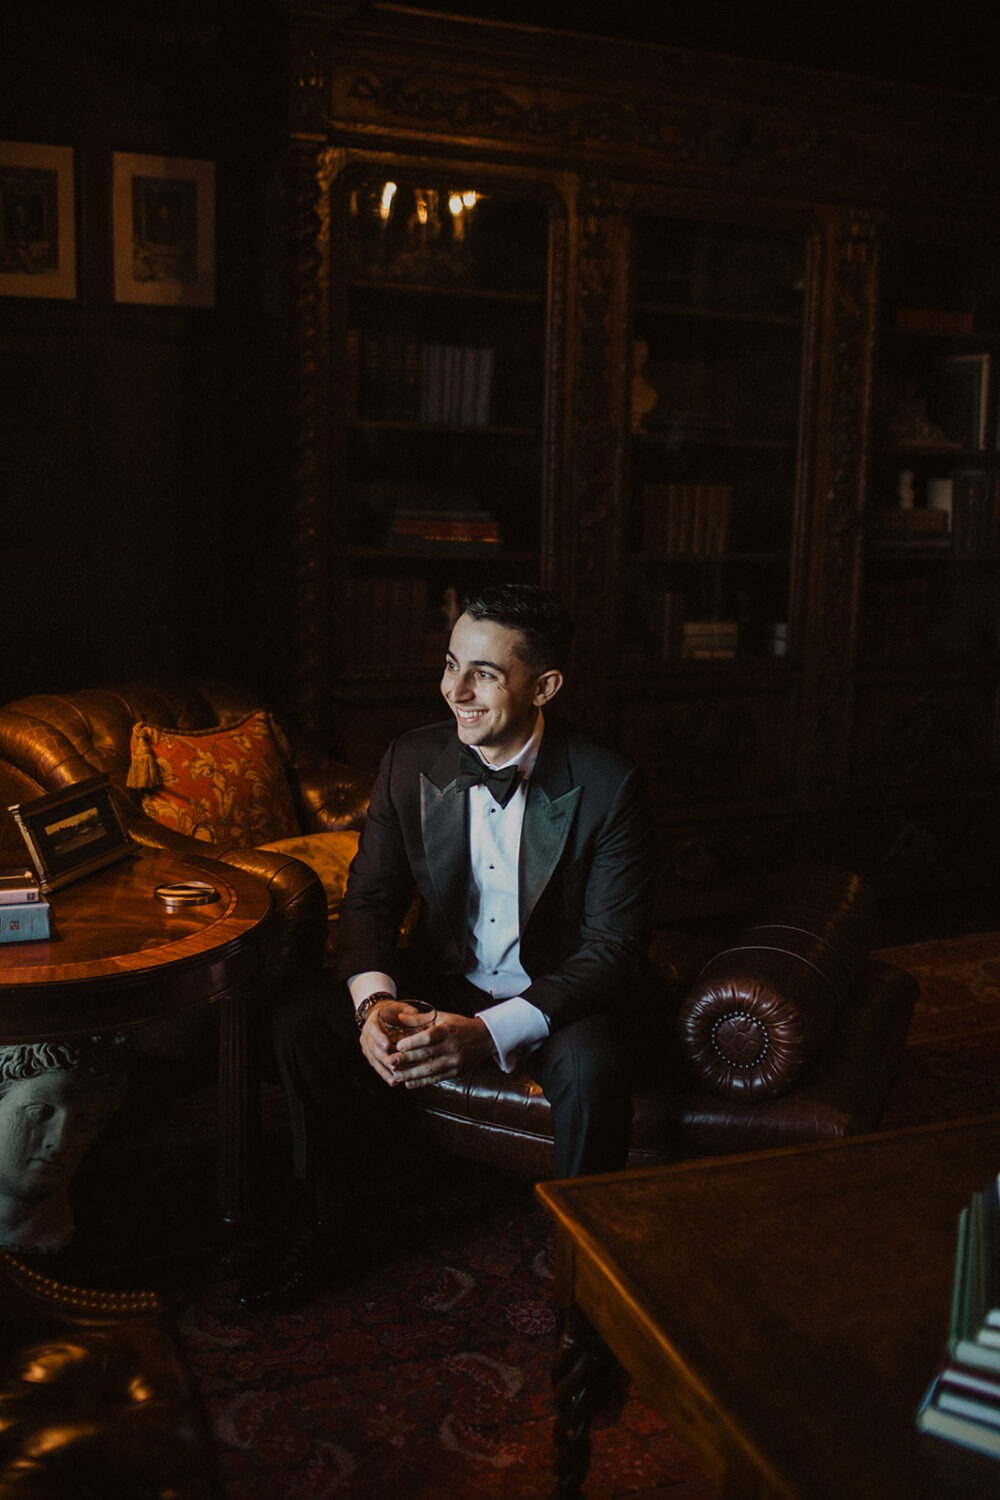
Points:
(143, 467)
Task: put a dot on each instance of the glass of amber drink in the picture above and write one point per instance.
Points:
(395, 1031)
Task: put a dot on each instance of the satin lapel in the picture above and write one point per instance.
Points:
(547, 823)
(444, 826)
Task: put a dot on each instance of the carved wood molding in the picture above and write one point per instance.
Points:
(694, 127)
(310, 271)
(596, 458)
(694, 133)
(309, 81)
(846, 423)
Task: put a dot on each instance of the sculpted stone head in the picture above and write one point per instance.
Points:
(55, 1099)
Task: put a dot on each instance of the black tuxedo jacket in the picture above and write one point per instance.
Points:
(585, 877)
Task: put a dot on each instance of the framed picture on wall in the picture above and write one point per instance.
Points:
(37, 221)
(163, 216)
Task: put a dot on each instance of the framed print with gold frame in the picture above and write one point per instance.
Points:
(37, 221)
(163, 218)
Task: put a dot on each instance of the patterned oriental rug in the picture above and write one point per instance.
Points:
(427, 1378)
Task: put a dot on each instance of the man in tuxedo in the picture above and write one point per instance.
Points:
(529, 846)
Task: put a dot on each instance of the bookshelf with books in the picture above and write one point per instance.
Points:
(714, 423)
(440, 303)
(714, 360)
(925, 679)
(934, 488)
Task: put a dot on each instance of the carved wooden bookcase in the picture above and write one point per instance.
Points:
(682, 276)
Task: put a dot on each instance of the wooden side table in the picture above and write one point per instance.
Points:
(784, 1311)
(118, 959)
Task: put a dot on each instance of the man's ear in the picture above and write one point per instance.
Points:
(546, 687)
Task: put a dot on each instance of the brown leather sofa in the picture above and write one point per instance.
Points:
(791, 1033)
(52, 741)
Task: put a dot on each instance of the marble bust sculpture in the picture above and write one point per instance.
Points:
(55, 1099)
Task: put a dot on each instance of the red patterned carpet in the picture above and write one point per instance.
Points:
(428, 1377)
(952, 1062)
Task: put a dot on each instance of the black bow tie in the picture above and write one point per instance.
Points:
(475, 772)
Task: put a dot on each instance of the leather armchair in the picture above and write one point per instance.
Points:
(791, 1033)
(49, 742)
(96, 1402)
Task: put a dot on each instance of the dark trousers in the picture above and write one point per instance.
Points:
(343, 1117)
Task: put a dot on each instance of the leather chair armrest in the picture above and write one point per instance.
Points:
(763, 1009)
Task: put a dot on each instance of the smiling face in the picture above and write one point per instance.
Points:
(490, 688)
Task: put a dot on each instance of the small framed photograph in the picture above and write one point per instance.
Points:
(163, 215)
(37, 221)
(71, 833)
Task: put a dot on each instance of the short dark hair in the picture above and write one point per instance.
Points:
(537, 615)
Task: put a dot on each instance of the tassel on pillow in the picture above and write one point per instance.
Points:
(281, 740)
(144, 772)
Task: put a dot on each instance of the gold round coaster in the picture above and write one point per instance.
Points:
(186, 893)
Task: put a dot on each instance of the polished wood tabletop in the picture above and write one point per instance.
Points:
(785, 1311)
(118, 957)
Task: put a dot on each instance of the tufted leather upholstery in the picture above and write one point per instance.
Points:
(49, 741)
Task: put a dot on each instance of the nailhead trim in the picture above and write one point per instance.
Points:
(86, 1299)
(740, 1015)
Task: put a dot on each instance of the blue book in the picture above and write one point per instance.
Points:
(25, 922)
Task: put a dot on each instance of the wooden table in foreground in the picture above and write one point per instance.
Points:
(118, 959)
(783, 1311)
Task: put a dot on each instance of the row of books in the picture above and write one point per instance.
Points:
(671, 636)
(442, 528)
(962, 1402)
(381, 624)
(24, 911)
(686, 518)
(438, 384)
(962, 516)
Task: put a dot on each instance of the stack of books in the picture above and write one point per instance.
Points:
(963, 1400)
(442, 528)
(24, 911)
(709, 640)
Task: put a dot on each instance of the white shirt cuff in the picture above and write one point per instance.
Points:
(360, 986)
(512, 1024)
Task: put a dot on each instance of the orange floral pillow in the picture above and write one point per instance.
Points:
(226, 785)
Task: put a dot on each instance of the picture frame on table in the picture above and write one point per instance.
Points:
(37, 221)
(163, 230)
(73, 832)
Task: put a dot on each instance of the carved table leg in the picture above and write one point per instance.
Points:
(239, 1120)
(578, 1376)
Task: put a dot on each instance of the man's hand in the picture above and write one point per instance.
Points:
(449, 1046)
